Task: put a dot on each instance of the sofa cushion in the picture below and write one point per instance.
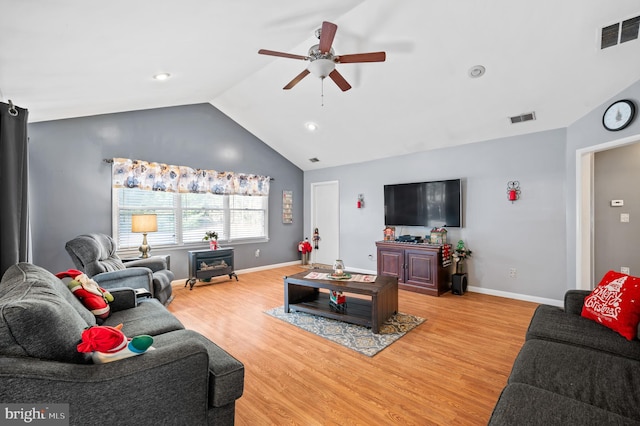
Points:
(596, 378)
(521, 404)
(39, 317)
(615, 303)
(149, 317)
(16, 276)
(552, 323)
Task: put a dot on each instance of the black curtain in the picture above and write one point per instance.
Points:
(14, 212)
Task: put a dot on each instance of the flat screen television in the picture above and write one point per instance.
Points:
(428, 204)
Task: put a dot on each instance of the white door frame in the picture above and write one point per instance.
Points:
(584, 209)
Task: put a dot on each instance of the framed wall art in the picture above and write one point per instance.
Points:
(287, 206)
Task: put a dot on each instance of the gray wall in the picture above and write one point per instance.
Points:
(536, 235)
(617, 173)
(528, 235)
(588, 133)
(70, 184)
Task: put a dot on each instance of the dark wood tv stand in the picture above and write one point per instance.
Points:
(419, 267)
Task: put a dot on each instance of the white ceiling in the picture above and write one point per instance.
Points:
(72, 58)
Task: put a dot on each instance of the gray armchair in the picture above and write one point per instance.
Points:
(95, 255)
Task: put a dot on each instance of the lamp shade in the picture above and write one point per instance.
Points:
(144, 223)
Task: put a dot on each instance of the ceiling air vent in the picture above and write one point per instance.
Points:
(609, 36)
(620, 32)
(630, 29)
(523, 117)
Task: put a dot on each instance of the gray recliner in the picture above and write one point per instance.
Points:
(95, 255)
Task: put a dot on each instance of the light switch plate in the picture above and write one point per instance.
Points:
(617, 203)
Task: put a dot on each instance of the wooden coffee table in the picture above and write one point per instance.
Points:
(380, 299)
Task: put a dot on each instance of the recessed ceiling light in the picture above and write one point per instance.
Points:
(477, 71)
(310, 126)
(162, 76)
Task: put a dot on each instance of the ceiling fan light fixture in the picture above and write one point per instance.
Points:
(321, 67)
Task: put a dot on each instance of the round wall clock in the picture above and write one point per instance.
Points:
(619, 115)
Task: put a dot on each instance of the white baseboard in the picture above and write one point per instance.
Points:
(481, 290)
(516, 296)
(266, 267)
(490, 292)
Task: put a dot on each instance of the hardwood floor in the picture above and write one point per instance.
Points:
(448, 371)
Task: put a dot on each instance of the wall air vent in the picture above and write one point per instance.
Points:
(620, 32)
(523, 117)
(314, 160)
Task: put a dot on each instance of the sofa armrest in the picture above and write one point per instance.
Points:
(155, 263)
(170, 382)
(573, 301)
(130, 277)
(123, 298)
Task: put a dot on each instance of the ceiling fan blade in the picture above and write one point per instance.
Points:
(339, 80)
(296, 80)
(361, 57)
(281, 54)
(327, 34)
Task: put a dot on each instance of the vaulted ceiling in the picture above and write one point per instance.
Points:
(73, 58)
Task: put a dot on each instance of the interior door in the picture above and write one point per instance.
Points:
(325, 216)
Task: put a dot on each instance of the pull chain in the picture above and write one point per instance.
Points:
(322, 92)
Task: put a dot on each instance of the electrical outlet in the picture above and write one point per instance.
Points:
(513, 273)
(624, 270)
(257, 252)
(624, 217)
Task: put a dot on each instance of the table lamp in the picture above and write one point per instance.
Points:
(144, 223)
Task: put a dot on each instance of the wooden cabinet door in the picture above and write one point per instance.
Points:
(391, 262)
(421, 268)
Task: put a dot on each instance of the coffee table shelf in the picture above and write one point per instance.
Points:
(377, 302)
(358, 310)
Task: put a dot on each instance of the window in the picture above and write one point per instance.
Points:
(183, 218)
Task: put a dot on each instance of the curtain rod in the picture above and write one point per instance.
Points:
(110, 161)
(12, 109)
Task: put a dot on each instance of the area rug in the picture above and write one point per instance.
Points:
(355, 337)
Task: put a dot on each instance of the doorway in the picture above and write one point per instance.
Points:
(325, 216)
(585, 279)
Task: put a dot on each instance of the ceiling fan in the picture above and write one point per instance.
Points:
(323, 59)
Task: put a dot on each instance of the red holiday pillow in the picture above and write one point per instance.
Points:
(615, 303)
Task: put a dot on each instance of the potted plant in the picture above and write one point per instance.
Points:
(304, 247)
(212, 237)
(459, 255)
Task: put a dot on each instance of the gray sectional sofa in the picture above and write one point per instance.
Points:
(186, 379)
(571, 371)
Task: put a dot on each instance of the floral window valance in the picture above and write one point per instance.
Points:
(151, 176)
